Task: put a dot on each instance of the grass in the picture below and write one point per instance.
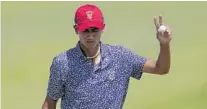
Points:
(34, 32)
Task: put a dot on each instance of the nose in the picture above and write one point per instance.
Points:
(91, 35)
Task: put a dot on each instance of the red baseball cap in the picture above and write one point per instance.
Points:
(87, 16)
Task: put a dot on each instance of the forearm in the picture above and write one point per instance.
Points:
(164, 59)
(49, 104)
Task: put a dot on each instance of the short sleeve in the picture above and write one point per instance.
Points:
(135, 63)
(55, 84)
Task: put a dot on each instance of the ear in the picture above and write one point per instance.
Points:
(75, 28)
(104, 28)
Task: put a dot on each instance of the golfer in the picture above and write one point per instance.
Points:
(94, 75)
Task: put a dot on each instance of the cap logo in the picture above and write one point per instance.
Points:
(89, 14)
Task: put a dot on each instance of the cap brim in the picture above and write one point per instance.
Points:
(86, 25)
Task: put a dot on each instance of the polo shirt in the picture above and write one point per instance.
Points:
(83, 85)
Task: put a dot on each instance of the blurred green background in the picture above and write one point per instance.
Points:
(34, 32)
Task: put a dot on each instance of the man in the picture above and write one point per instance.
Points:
(94, 75)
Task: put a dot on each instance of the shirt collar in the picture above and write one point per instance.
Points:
(103, 48)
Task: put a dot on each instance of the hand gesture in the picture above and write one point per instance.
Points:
(163, 37)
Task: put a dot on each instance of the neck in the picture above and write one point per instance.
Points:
(91, 53)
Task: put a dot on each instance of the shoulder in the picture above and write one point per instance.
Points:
(62, 58)
(123, 52)
(60, 62)
(65, 55)
(114, 48)
(117, 49)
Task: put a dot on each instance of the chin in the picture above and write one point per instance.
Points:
(91, 45)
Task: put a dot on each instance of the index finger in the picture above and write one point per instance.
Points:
(161, 20)
(156, 23)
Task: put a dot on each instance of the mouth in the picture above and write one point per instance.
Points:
(90, 42)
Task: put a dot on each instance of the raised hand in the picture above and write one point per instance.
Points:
(163, 37)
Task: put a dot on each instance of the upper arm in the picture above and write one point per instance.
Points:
(134, 62)
(150, 67)
(56, 84)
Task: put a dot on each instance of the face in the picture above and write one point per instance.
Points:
(90, 37)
